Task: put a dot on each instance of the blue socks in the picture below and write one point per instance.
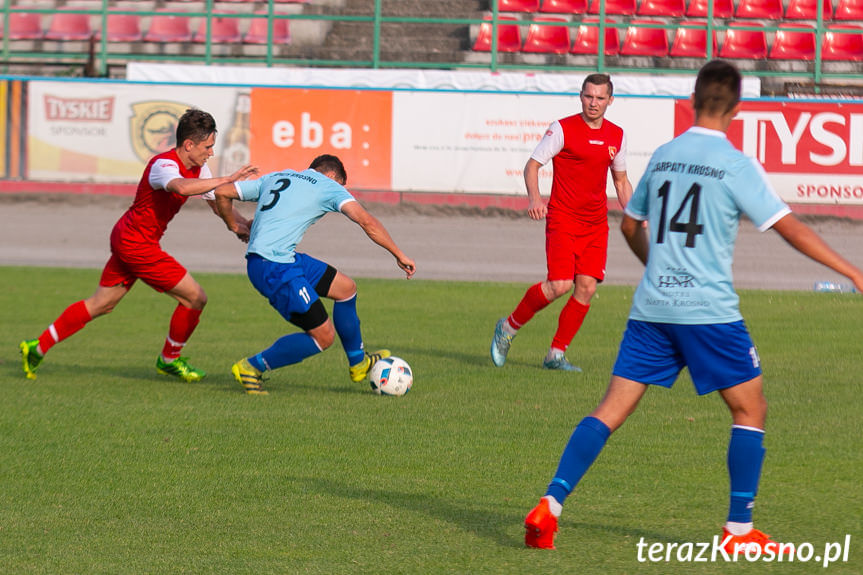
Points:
(745, 456)
(286, 350)
(584, 446)
(296, 347)
(347, 324)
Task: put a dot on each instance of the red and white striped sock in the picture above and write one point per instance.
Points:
(571, 317)
(70, 321)
(183, 323)
(532, 302)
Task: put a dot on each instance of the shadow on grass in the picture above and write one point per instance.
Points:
(494, 524)
(292, 378)
(473, 357)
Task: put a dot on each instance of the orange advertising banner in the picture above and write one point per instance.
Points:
(290, 127)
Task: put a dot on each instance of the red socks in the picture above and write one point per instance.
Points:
(571, 317)
(532, 302)
(70, 321)
(183, 323)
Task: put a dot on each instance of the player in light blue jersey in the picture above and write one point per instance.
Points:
(288, 203)
(685, 312)
(692, 195)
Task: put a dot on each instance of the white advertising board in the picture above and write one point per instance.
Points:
(448, 142)
(106, 131)
(479, 143)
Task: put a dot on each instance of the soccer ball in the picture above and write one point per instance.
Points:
(391, 376)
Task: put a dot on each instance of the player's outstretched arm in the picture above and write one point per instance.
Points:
(198, 186)
(243, 224)
(224, 208)
(806, 241)
(379, 234)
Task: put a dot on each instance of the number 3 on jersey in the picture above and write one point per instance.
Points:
(691, 228)
(281, 186)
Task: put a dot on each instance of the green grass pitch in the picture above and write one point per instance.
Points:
(107, 467)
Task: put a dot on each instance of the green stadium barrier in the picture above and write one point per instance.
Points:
(100, 54)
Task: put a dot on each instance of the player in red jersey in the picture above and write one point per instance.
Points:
(582, 148)
(168, 181)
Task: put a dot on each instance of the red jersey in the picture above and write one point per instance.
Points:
(147, 218)
(578, 188)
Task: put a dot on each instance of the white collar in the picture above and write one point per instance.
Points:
(707, 131)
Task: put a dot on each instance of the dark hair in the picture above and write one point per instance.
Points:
(717, 88)
(599, 80)
(195, 125)
(329, 163)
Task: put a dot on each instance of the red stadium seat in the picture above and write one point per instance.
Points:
(258, 28)
(749, 44)
(518, 5)
(25, 26)
(849, 10)
(587, 39)
(622, 7)
(223, 30)
(721, 9)
(760, 9)
(547, 39)
(68, 26)
(167, 28)
(564, 6)
(839, 46)
(691, 42)
(808, 10)
(123, 28)
(508, 36)
(643, 41)
(793, 44)
(667, 8)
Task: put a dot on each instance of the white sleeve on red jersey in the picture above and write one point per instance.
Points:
(163, 171)
(550, 144)
(618, 164)
(205, 174)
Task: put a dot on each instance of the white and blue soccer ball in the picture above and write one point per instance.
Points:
(391, 376)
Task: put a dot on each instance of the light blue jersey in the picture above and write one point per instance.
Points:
(288, 203)
(692, 194)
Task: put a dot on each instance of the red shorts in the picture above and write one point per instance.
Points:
(149, 262)
(573, 249)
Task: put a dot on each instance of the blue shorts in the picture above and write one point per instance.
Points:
(717, 355)
(294, 289)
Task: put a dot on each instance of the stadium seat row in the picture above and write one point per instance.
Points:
(791, 41)
(72, 26)
(759, 9)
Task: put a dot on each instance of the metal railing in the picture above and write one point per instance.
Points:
(100, 52)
